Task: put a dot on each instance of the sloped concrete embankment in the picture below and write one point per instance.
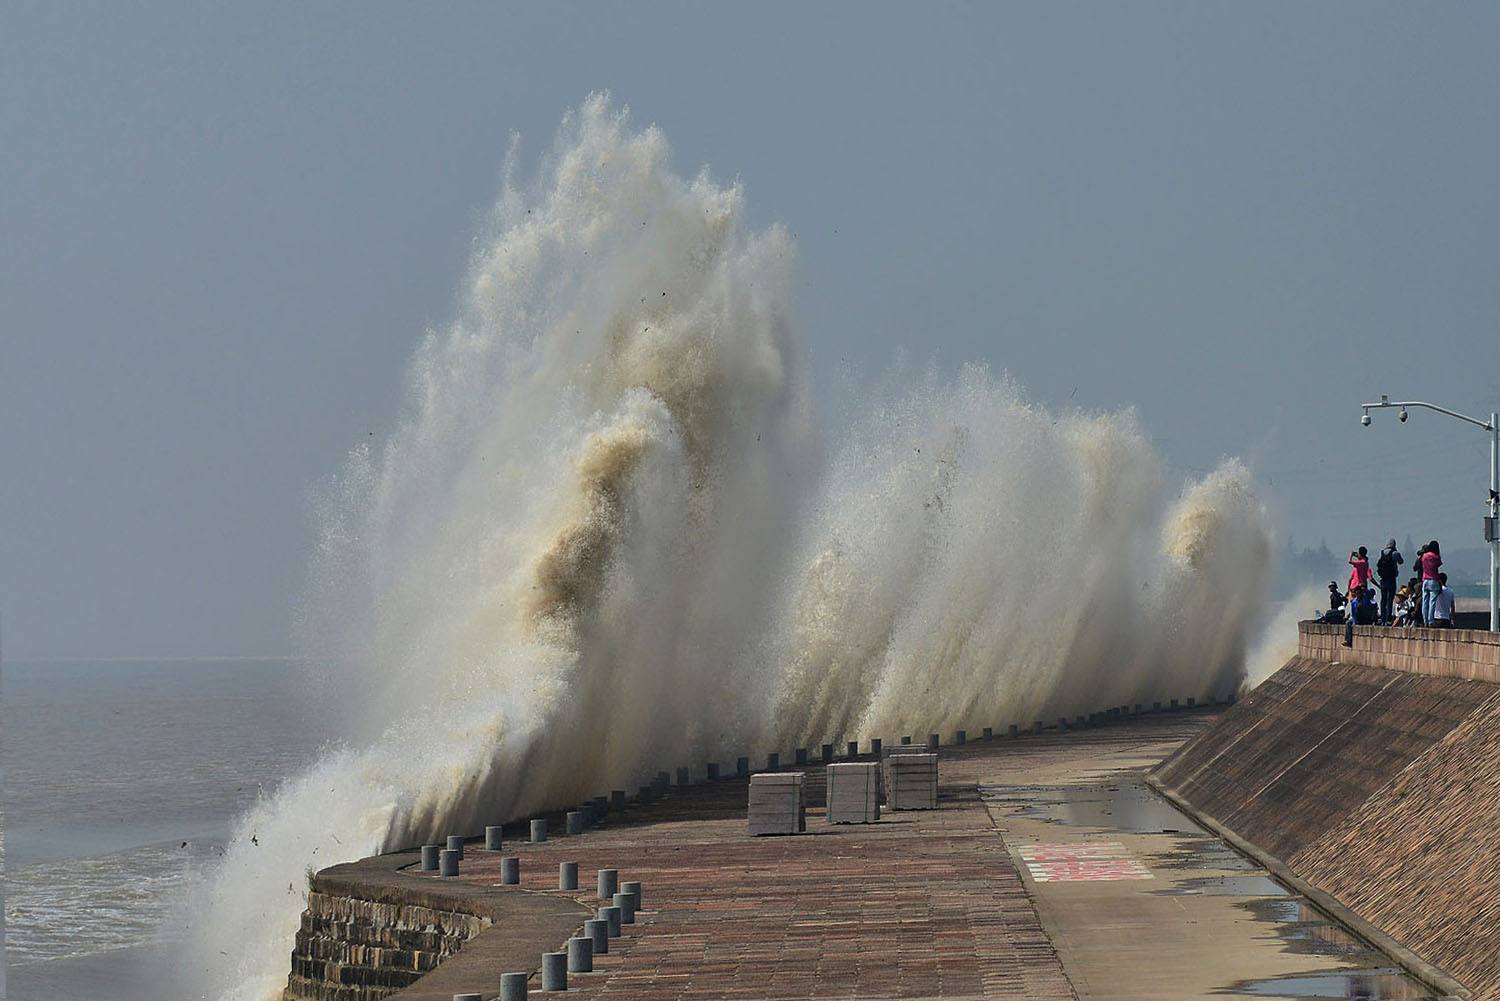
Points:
(1373, 775)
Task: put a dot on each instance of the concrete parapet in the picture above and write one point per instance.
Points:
(1470, 654)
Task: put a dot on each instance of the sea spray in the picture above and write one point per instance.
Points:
(603, 541)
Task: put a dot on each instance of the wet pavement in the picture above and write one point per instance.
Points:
(1100, 839)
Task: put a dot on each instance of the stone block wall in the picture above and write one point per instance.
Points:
(349, 949)
(1471, 654)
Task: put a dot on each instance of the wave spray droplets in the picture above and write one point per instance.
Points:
(606, 539)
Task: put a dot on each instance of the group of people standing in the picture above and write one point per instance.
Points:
(1424, 600)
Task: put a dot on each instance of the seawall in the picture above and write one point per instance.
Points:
(1371, 773)
(373, 929)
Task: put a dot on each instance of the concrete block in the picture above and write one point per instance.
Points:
(567, 875)
(574, 823)
(773, 761)
(554, 971)
(776, 804)
(853, 748)
(1038, 727)
(684, 777)
(610, 915)
(468, 997)
(801, 755)
(854, 793)
(911, 781)
(510, 870)
(609, 883)
(456, 844)
(961, 737)
(538, 831)
(1015, 729)
(493, 839)
(447, 862)
(827, 753)
(932, 741)
(626, 903)
(1062, 722)
(741, 767)
(711, 771)
(632, 887)
(875, 747)
(430, 857)
(906, 740)
(988, 733)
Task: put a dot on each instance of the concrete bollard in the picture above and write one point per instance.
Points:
(989, 733)
(580, 955)
(853, 748)
(684, 777)
(626, 903)
(456, 844)
(1093, 719)
(1137, 709)
(1191, 702)
(596, 930)
(773, 761)
(875, 746)
(645, 793)
(932, 741)
(711, 769)
(510, 870)
(961, 737)
(493, 839)
(663, 781)
(513, 986)
(1156, 707)
(827, 753)
(447, 862)
(1078, 722)
(801, 755)
(574, 823)
(609, 883)
(1174, 703)
(554, 971)
(538, 831)
(617, 798)
(632, 887)
(1062, 722)
(741, 767)
(905, 741)
(1038, 727)
(610, 915)
(430, 857)
(567, 875)
(1015, 729)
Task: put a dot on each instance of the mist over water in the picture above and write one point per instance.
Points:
(611, 535)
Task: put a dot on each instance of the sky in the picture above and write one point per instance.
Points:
(223, 229)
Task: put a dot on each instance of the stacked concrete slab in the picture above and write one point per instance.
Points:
(854, 793)
(911, 781)
(777, 805)
(885, 771)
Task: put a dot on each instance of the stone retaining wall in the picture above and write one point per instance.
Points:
(1472, 654)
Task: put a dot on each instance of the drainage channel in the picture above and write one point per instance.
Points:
(1095, 855)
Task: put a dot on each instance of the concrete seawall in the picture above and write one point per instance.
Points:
(1371, 773)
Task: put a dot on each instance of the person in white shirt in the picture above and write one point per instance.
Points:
(1442, 605)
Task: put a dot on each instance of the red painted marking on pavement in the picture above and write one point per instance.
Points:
(1082, 862)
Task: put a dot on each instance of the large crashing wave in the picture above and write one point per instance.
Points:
(606, 540)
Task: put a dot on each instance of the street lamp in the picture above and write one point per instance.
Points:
(1492, 521)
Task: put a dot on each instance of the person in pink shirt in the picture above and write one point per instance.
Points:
(1360, 575)
(1432, 585)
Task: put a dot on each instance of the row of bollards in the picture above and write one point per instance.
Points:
(577, 955)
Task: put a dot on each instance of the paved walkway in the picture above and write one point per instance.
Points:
(1048, 872)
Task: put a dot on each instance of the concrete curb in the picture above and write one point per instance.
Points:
(1445, 985)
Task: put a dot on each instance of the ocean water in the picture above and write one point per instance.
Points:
(121, 782)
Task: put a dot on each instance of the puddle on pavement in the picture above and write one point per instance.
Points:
(1228, 886)
(1122, 806)
(1382, 983)
(1197, 853)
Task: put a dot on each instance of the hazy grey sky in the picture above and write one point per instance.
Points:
(225, 226)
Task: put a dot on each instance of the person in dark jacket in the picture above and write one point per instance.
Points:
(1387, 570)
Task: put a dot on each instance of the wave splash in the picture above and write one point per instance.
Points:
(608, 537)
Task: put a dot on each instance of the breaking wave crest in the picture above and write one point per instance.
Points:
(609, 537)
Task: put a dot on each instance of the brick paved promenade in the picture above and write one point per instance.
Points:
(920, 905)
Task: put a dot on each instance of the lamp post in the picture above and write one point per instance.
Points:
(1492, 521)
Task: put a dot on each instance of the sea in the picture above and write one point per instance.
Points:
(121, 779)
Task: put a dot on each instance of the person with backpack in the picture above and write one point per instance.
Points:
(1432, 585)
(1388, 568)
